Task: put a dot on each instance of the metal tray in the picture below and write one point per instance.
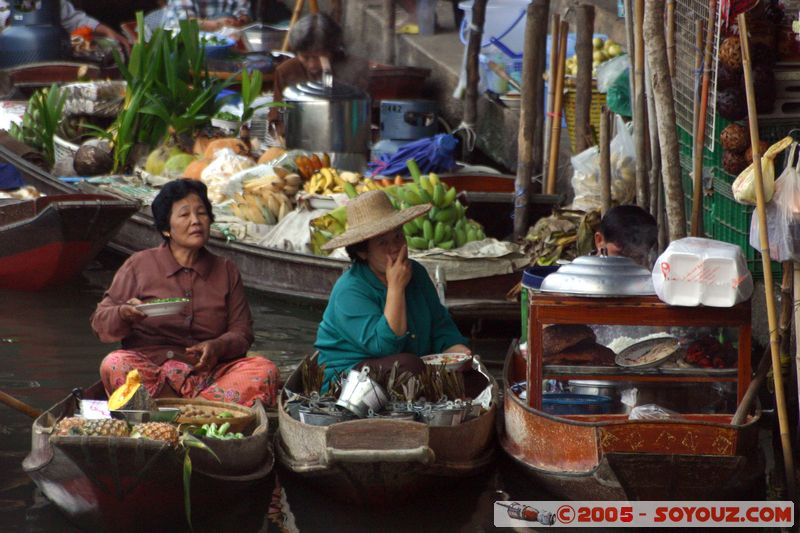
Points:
(628, 358)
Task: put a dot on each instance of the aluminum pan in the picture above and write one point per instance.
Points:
(601, 277)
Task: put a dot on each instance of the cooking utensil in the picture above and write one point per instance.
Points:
(501, 71)
(648, 353)
(360, 394)
(600, 276)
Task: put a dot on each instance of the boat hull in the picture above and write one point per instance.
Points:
(48, 241)
(608, 457)
(123, 484)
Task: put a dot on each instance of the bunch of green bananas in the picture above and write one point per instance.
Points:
(445, 226)
(326, 227)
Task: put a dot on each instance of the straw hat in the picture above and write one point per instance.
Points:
(372, 214)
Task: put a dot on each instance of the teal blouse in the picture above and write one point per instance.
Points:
(353, 327)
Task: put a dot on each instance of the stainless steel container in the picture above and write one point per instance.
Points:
(600, 276)
(333, 118)
(596, 387)
(360, 394)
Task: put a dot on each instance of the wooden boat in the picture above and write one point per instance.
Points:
(125, 484)
(608, 457)
(382, 461)
(310, 277)
(49, 240)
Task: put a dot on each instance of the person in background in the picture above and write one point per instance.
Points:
(200, 351)
(384, 309)
(316, 39)
(629, 231)
(211, 15)
(72, 19)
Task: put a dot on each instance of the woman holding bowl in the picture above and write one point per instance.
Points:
(384, 309)
(200, 351)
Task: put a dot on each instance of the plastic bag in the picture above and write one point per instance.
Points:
(652, 411)
(618, 99)
(586, 172)
(609, 71)
(783, 216)
(744, 188)
(216, 175)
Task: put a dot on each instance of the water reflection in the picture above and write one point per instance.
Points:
(49, 349)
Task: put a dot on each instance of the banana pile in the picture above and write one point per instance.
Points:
(264, 206)
(327, 227)
(328, 181)
(445, 226)
(282, 181)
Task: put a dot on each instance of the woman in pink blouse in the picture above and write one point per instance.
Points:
(200, 351)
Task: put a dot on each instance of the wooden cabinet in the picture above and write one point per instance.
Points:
(549, 308)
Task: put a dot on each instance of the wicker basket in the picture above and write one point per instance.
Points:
(598, 101)
(64, 149)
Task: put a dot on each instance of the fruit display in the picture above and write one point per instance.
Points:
(162, 431)
(708, 352)
(106, 427)
(445, 225)
(131, 394)
(221, 432)
(261, 207)
(601, 51)
(69, 426)
(307, 165)
(328, 181)
(327, 227)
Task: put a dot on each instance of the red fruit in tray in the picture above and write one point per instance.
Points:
(718, 362)
(705, 362)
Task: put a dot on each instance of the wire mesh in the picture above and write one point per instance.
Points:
(686, 76)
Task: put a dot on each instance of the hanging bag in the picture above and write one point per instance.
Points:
(744, 188)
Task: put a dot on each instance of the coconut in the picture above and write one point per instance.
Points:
(734, 138)
(733, 162)
(176, 164)
(94, 157)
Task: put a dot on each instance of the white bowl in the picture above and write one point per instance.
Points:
(511, 100)
(163, 308)
(451, 361)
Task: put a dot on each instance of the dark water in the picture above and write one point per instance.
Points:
(47, 348)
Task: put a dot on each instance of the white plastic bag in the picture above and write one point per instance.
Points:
(783, 215)
(216, 175)
(608, 71)
(744, 187)
(652, 411)
(586, 172)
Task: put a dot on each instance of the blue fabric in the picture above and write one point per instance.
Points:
(353, 327)
(432, 154)
(10, 177)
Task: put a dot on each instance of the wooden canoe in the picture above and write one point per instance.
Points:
(49, 240)
(380, 461)
(310, 277)
(608, 457)
(125, 484)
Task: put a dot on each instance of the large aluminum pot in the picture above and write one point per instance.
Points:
(360, 394)
(333, 119)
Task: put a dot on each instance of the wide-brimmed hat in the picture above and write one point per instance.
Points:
(372, 214)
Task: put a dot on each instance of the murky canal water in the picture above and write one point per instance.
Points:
(47, 348)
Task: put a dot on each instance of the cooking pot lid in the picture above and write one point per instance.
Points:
(600, 276)
(315, 90)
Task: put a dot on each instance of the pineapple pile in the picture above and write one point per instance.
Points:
(106, 427)
(162, 431)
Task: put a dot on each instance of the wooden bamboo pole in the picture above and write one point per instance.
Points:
(555, 27)
(665, 115)
(389, 15)
(584, 31)
(671, 36)
(605, 160)
(697, 159)
(652, 144)
(777, 375)
(629, 38)
(19, 405)
(298, 10)
(639, 106)
(313, 7)
(700, 133)
(530, 108)
(539, 132)
(795, 303)
(473, 51)
(558, 104)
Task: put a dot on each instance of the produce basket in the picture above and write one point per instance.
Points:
(64, 149)
(242, 420)
(570, 99)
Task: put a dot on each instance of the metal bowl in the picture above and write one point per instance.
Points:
(600, 276)
(134, 416)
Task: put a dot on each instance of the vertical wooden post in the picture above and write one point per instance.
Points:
(652, 144)
(761, 210)
(530, 108)
(629, 39)
(558, 104)
(697, 158)
(700, 132)
(665, 115)
(298, 10)
(605, 160)
(671, 36)
(539, 131)
(639, 106)
(555, 27)
(388, 31)
(473, 75)
(584, 31)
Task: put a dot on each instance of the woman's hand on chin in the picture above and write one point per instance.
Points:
(459, 348)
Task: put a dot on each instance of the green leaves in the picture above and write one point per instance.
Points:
(41, 120)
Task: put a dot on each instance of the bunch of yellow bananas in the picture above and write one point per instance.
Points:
(263, 207)
(326, 181)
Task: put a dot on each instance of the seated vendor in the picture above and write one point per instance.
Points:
(314, 39)
(384, 309)
(199, 352)
(211, 15)
(629, 231)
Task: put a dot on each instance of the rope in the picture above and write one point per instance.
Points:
(470, 136)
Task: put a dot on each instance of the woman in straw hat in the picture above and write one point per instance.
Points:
(384, 308)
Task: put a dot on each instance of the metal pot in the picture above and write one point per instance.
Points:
(360, 394)
(333, 118)
(594, 387)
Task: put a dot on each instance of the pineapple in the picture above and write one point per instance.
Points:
(69, 426)
(156, 431)
(106, 427)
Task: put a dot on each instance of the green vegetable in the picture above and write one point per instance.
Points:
(225, 414)
(167, 300)
(225, 115)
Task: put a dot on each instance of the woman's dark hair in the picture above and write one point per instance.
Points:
(631, 228)
(317, 33)
(354, 249)
(172, 192)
